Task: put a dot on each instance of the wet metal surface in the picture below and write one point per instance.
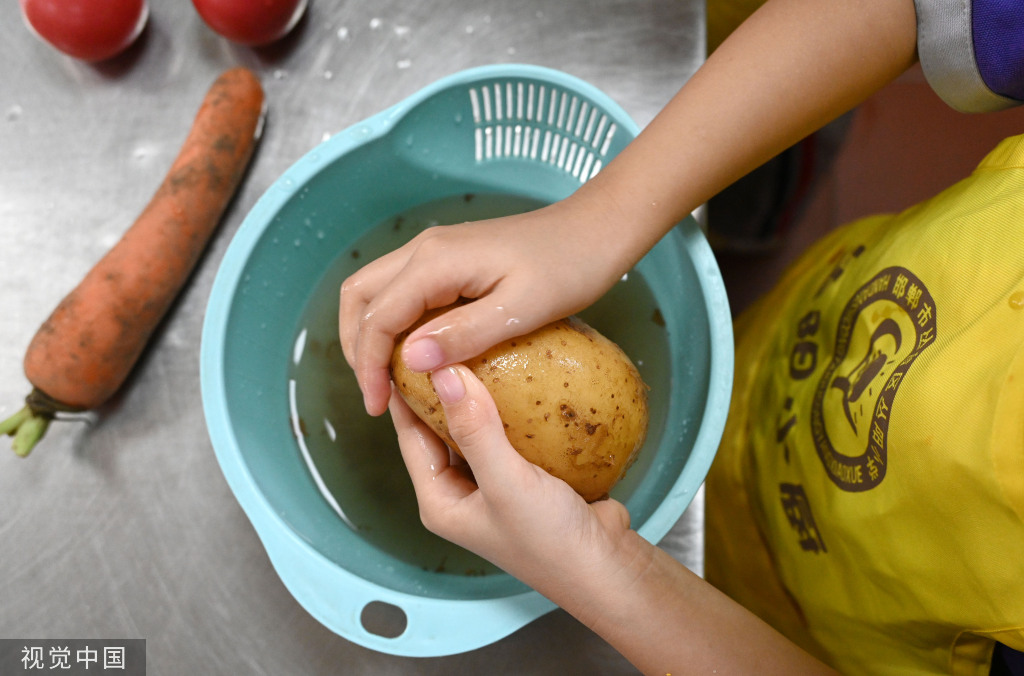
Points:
(122, 526)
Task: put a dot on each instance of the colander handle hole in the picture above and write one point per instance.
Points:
(383, 619)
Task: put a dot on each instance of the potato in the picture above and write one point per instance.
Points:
(570, 399)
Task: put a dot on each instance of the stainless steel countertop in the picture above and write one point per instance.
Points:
(123, 526)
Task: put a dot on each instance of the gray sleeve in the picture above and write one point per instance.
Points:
(945, 46)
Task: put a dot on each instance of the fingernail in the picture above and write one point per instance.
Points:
(423, 355)
(448, 385)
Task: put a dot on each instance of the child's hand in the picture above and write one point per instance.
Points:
(503, 507)
(524, 271)
(585, 558)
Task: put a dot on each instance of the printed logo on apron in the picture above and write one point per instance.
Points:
(885, 325)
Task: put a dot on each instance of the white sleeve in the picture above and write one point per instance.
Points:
(964, 53)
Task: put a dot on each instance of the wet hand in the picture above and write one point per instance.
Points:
(521, 272)
(501, 506)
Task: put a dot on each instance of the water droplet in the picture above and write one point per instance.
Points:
(343, 33)
(280, 74)
(328, 75)
(331, 432)
(297, 242)
(469, 29)
(14, 113)
(401, 30)
(320, 234)
(375, 23)
(403, 63)
(1017, 300)
(458, 118)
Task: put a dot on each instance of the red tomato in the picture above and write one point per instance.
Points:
(91, 30)
(251, 22)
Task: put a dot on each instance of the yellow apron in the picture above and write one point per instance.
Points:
(868, 496)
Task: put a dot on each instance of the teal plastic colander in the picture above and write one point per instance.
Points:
(517, 130)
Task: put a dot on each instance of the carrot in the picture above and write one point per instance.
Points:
(85, 350)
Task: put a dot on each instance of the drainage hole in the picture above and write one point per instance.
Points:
(383, 619)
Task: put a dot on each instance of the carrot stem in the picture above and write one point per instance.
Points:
(11, 425)
(29, 434)
(27, 426)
